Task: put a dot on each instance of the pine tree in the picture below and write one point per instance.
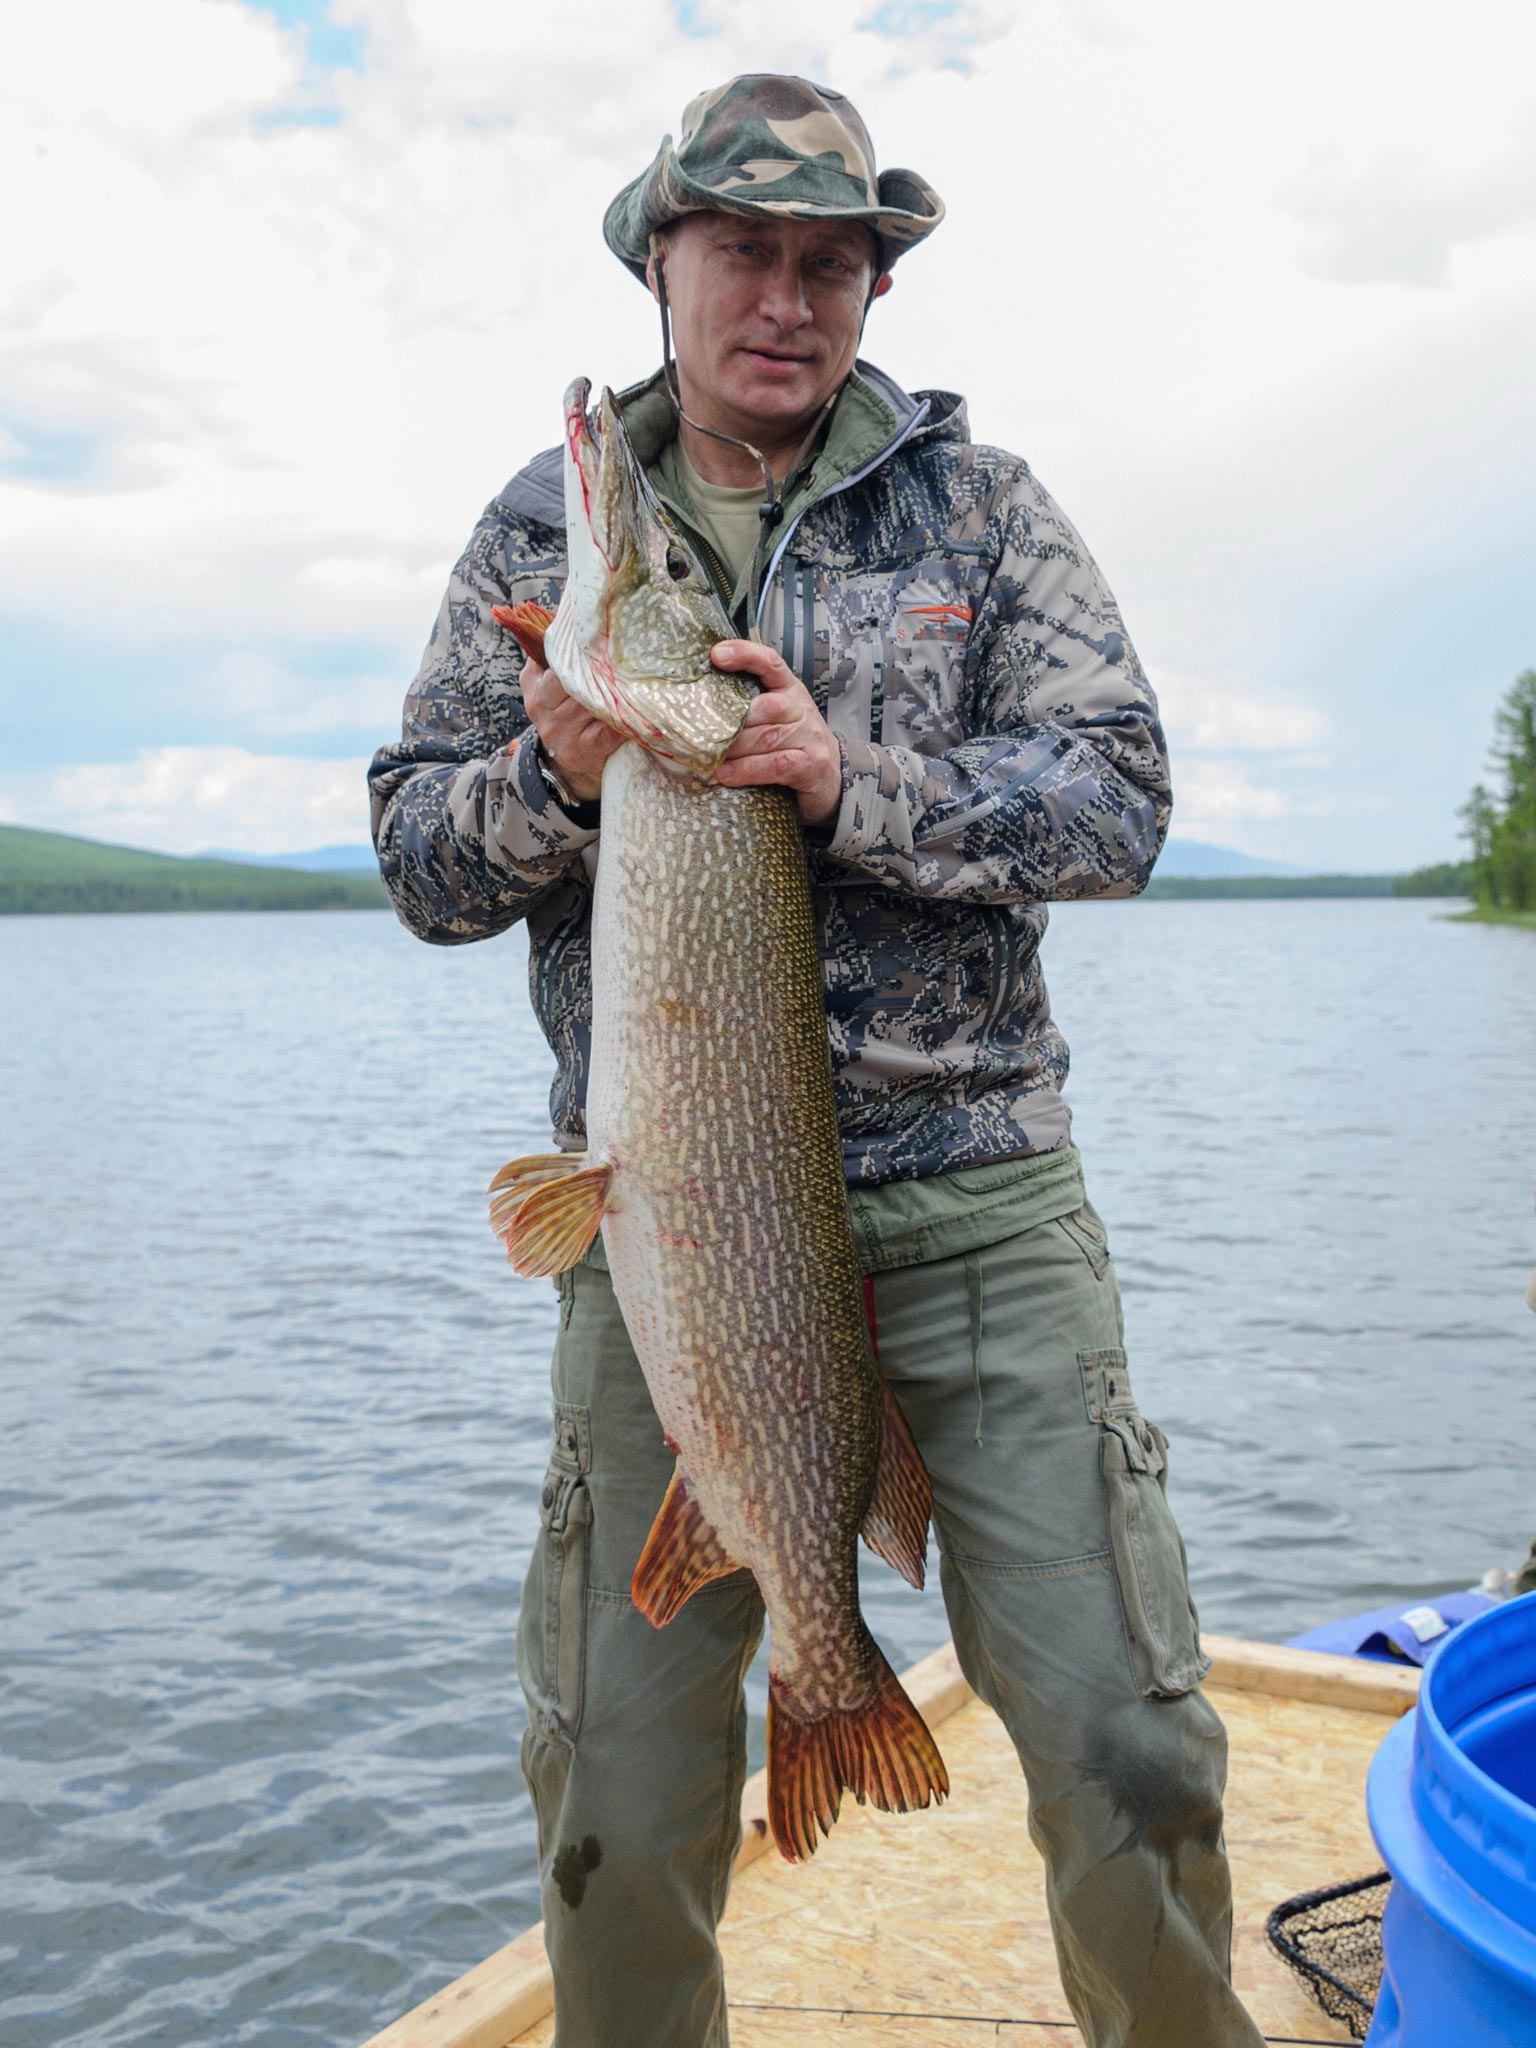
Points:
(1514, 755)
(1500, 825)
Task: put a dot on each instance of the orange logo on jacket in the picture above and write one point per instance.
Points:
(960, 613)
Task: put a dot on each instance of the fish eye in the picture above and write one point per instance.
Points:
(678, 564)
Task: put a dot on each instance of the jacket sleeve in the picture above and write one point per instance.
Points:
(1060, 787)
(467, 831)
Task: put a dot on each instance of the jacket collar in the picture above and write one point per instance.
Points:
(873, 417)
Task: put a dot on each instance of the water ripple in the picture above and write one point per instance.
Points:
(276, 1413)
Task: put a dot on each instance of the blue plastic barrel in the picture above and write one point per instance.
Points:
(1452, 1799)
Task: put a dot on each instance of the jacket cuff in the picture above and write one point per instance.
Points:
(531, 807)
(857, 824)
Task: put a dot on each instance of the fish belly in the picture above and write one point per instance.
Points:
(727, 1234)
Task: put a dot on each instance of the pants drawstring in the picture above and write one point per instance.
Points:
(974, 1304)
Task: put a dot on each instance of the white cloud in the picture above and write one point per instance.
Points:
(259, 370)
(1232, 714)
(1212, 795)
(1398, 219)
(184, 799)
(269, 696)
(307, 344)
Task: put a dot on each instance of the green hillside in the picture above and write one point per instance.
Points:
(51, 872)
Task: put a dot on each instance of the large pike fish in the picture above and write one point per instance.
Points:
(713, 1166)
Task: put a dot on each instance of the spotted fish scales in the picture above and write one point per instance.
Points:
(713, 1165)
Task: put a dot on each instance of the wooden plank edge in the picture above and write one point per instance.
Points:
(490, 2005)
(1312, 1675)
(487, 2007)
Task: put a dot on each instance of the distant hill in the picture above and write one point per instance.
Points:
(53, 872)
(1190, 857)
(318, 860)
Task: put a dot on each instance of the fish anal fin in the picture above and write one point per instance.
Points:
(896, 1524)
(546, 1210)
(527, 623)
(882, 1752)
(682, 1553)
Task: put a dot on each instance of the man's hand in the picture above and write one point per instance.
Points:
(577, 744)
(785, 739)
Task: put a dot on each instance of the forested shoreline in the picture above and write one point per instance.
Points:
(52, 873)
(1499, 823)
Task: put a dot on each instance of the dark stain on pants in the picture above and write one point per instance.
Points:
(574, 1865)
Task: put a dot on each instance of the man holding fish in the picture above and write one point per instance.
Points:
(936, 672)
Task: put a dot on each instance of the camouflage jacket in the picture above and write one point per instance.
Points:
(1001, 748)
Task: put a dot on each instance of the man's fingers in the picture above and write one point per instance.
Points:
(772, 708)
(751, 657)
(784, 768)
(778, 737)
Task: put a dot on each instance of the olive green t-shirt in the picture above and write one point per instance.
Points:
(727, 518)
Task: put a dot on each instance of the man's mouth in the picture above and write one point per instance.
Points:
(779, 358)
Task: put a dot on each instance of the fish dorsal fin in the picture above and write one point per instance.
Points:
(546, 1210)
(681, 1554)
(896, 1526)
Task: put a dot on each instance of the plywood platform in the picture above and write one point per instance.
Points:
(929, 1931)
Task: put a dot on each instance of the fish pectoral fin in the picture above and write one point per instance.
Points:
(896, 1526)
(546, 1210)
(883, 1752)
(527, 623)
(681, 1554)
(519, 1177)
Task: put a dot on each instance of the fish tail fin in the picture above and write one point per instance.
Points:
(896, 1524)
(546, 1210)
(527, 623)
(881, 1751)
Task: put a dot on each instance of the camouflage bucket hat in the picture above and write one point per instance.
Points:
(766, 144)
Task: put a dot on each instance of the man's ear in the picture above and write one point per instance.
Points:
(882, 286)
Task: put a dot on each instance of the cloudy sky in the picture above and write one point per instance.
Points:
(291, 288)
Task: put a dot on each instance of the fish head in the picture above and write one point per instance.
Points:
(639, 614)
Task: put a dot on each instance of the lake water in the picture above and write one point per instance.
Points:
(274, 1407)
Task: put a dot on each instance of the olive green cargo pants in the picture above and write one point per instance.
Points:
(1064, 1579)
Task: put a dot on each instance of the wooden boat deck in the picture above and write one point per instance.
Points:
(930, 1931)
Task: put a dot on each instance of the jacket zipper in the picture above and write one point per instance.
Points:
(847, 484)
(716, 566)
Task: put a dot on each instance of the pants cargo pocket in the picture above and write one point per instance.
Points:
(552, 1625)
(1162, 1629)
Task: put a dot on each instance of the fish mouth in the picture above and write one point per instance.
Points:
(628, 642)
(582, 446)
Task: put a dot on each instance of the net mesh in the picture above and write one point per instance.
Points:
(1332, 1940)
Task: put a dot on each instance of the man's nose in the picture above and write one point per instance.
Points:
(783, 299)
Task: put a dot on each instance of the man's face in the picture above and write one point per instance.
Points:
(766, 315)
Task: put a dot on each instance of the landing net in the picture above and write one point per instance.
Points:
(1332, 1940)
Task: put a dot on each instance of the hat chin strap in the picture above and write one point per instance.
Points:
(771, 510)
